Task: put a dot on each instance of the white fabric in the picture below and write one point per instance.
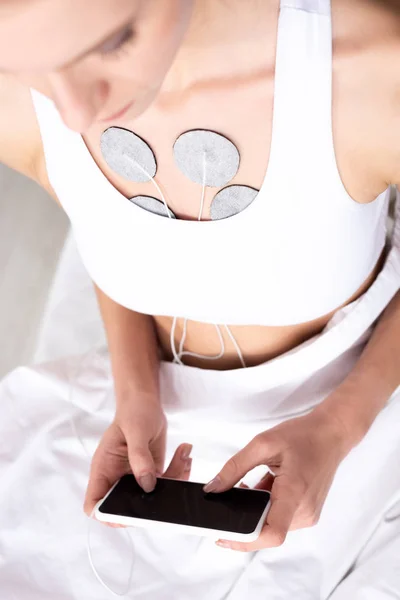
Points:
(303, 237)
(44, 472)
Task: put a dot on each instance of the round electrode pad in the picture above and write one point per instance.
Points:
(128, 155)
(206, 157)
(231, 201)
(152, 205)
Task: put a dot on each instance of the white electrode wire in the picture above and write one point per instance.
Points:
(183, 338)
(153, 181)
(172, 342)
(199, 217)
(163, 198)
(72, 382)
(206, 356)
(91, 562)
(203, 192)
(181, 352)
(236, 345)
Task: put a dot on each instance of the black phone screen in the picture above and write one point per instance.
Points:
(185, 503)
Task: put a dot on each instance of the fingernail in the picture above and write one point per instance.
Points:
(214, 485)
(186, 453)
(188, 465)
(148, 482)
(223, 544)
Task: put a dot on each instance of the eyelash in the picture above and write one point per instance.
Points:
(122, 47)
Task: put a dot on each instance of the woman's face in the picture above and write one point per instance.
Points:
(93, 58)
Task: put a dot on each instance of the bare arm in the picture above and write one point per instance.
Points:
(131, 336)
(136, 438)
(364, 393)
(20, 142)
(133, 347)
(305, 452)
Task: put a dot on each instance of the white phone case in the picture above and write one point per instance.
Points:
(178, 528)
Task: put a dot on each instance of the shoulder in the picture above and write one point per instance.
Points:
(20, 141)
(367, 69)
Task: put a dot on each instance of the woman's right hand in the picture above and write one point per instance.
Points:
(134, 442)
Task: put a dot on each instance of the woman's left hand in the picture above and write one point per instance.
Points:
(304, 454)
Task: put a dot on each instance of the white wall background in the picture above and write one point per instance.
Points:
(32, 233)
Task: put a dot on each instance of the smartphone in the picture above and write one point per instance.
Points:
(183, 507)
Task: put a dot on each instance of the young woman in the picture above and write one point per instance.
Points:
(230, 204)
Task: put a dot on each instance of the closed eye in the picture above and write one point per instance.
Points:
(114, 46)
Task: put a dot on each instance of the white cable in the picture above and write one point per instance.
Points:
(153, 181)
(172, 342)
(90, 521)
(178, 355)
(91, 562)
(205, 356)
(181, 352)
(183, 338)
(203, 191)
(238, 350)
(163, 198)
(204, 187)
(177, 358)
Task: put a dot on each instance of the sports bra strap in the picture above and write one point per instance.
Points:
(302, 135)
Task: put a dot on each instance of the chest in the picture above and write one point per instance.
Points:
(240, 112)
(243, 112)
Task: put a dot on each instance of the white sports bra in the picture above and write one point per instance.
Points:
(306, 245)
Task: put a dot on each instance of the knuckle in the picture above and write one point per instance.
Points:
(260, 441)
(232, 465)
(296, 487)
(259, 447)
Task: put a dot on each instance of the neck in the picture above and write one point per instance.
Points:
(226, 38)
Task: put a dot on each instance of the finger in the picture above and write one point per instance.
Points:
(284, 503)
(157, 449)
(141, 461)
(254, 454)
(265, 482)
(180, 465)
(244, 486)
(98, 486)
(106, 468)
(188, 470)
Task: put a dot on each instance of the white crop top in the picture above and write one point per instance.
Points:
(306, 245)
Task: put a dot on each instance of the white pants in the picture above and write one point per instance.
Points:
(352, 553)
(44, 472)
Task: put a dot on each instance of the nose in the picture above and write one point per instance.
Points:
(78, 97)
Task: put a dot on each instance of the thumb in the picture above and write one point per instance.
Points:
(141, 462)
(254, 454)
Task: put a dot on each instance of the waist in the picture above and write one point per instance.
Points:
(258, 344)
